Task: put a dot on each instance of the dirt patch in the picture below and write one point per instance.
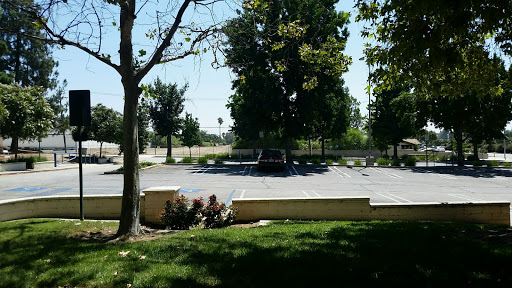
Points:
(108, 235)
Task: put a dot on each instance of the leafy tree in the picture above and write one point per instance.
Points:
(329, 111)
(59, 106)
(394, 116)
(440, 47)
(471, 115)
(85, 25)
(28, 114)
(353, 139)
(356, 120)
(212, 138)
(165, 109)
(103, 120)
(28, 60)
(190, 134)
(291, 46)
(229, 137)
(143, 119)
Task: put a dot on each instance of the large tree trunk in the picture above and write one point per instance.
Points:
(101, 145)
(323, 149)
(288, 151)
(395, 151)
(130, 208)
(169, 145)
(460, 152)
(65, 145)
(475, 150)
(14, 146)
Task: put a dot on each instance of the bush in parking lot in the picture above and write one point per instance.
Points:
(219, 161)
(382, 162)
(492, 163)
(170, 160)
(316, 161)
(202, 160)
(329, 162)
(410, 161)
(395, 161)
(342, 161)
(187, 160)
(477, 163)
(507, 164)
(357, 162)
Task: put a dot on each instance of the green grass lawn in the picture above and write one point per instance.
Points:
(48, 253)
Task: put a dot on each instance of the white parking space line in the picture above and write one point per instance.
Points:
(243, 172)
(437, 174)
(307, 195)
(387, 173)
(250, 171)
(294, 173)
(338, 172)
(242, 194)
(393, 197)
(464, 197)
(317, 195)
(343, 173)
(203, 169)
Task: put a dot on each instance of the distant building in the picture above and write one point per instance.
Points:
(409, 144)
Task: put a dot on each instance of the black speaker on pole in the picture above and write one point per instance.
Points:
(80, 108)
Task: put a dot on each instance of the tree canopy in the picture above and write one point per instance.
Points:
(165, 107)
(28, 61)
(190, 134)
(440, 47)
(103, 124)
(28, 116)
(172, 30)
(293, 47)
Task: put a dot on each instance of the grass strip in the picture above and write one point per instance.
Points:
(52, 253)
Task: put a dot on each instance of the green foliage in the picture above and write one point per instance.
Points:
(178, 214)
(329, 162)
(383, 162)
(395, 161)
(492, 163)
(165, 107)
(410, 161)
(28, 114)
(170, 160)
(217, 215)
(507, 164)
(295, 48)
(353, 139)
(187, 160)
(104, 122)
(357, 162)
(219, 161)
(59, 104)
(316, 161)
(477, 163)
(190, 134)
(342, 161)
(202, 160)
(27, 60)
(145, 164)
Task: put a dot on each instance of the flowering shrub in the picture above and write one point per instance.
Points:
(217, 215)
(178, 214)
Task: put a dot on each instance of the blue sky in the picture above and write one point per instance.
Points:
(209, 89)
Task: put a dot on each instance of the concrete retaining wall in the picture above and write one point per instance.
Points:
(359, 208)
(14, 166)
(95, 206)
(353, 208)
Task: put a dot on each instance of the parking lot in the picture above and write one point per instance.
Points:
(381, 184)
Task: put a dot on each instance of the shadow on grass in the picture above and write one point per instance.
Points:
(286, 254)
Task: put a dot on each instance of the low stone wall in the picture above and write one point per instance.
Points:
(359, 208)
(14, 166)
(339, 208)
(95, 206)
(44, 165)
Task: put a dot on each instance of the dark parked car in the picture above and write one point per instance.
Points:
(270, 158)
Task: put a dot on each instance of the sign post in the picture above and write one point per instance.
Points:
(80, 115)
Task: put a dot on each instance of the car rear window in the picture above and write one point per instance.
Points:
(271, 153)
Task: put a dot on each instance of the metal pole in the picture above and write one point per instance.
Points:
(504, 148)
(80, 173)
(369, 115)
